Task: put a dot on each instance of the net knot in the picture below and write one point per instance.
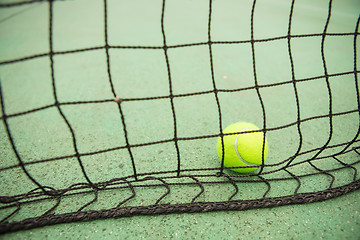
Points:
(117, 99)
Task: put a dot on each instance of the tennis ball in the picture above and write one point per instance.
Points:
(242, 149)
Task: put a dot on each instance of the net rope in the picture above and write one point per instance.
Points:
(199, 179)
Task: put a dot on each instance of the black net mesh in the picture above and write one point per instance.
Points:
(139, 184)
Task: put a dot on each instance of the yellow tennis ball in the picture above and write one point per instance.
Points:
(242, 149)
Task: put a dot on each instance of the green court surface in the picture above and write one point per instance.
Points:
(83, 139)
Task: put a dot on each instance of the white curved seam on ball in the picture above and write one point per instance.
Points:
(237, 152)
